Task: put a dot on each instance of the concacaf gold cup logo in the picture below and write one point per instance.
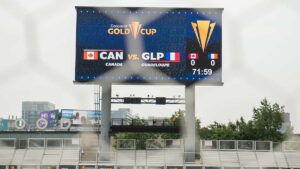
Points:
(203, 30)
(134, 29)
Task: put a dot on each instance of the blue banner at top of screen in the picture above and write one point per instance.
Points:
(149, 45)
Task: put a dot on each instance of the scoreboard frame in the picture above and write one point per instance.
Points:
(208, 77)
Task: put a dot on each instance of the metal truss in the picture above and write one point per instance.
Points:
(121, 100)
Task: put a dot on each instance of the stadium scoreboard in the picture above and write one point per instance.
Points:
(165, 44)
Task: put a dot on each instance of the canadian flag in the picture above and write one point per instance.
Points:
(193, 56)
(90, 55)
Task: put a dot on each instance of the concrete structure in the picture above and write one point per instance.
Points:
(217, 154)
(121, 113)
(122, 116)
(31, 111)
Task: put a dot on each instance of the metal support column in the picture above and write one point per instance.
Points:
(189, 124)
(105, 121)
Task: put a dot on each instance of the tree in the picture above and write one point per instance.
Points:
(219, 131)
(141, 137)
(137, 121)
(246, 130)
(178, 117)
(265, 125)
(267, 120)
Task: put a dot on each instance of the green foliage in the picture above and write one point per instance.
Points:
(178, 117)
(142, 137)
(265, 125)
(246, 130)
(137, 121)
(267, 120)
(216, 131)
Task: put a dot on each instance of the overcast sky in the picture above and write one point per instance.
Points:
(260, 58)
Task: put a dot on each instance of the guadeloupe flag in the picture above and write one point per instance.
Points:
(213, 56)
(173, 56)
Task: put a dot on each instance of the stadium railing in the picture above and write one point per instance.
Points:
(213, 153)
(238, 145)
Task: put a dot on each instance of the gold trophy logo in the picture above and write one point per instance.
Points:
(135, 28)
(203, 30)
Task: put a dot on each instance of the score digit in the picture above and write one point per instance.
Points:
(193, 62)
(212, 62)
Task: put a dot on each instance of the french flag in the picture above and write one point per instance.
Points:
(213, 56)
(173, 56)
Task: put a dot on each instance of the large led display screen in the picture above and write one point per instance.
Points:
(149, 45)
(79, 117)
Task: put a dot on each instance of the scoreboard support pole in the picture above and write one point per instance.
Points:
(189, 128)
(105, 121)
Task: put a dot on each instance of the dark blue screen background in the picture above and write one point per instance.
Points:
(174, 34)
